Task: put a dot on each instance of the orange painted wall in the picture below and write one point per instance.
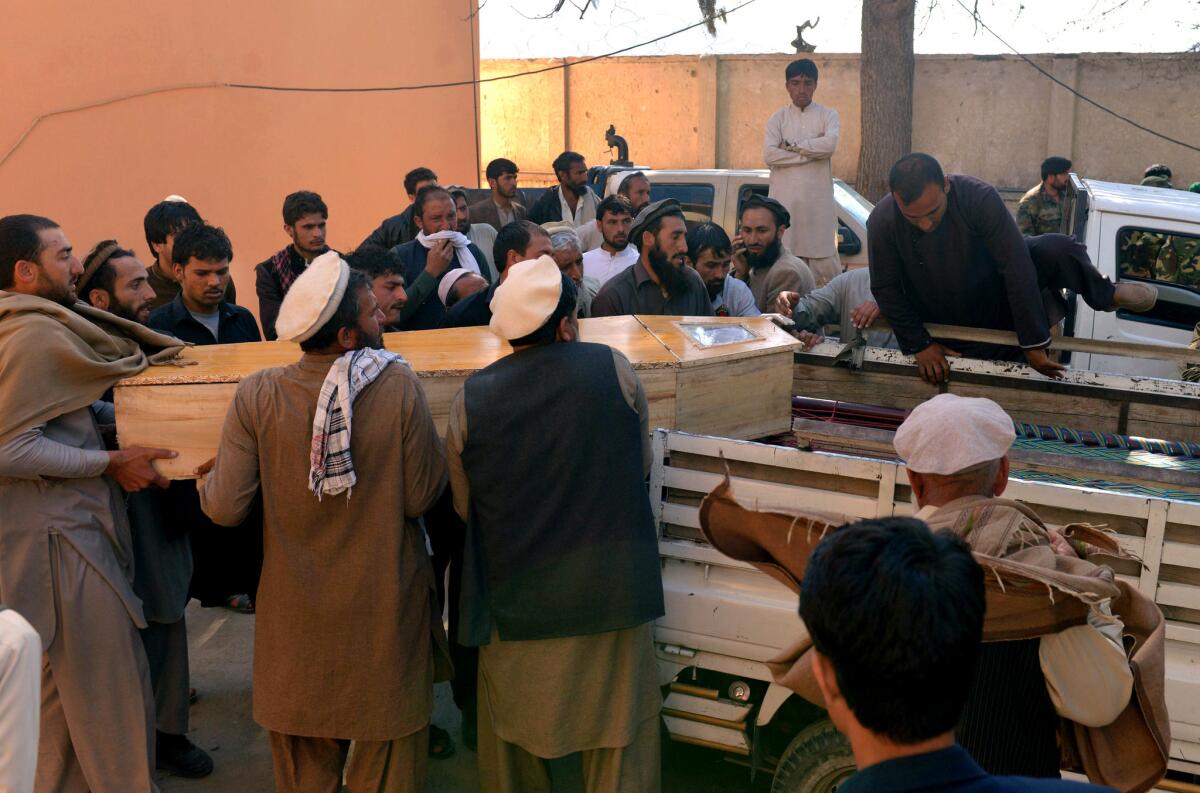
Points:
(234, 154)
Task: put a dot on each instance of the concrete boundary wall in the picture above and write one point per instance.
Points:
(991, 116)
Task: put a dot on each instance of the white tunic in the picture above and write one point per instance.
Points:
(798, 147)
(602, 265)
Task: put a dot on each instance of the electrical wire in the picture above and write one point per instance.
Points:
(457, 83)
(979, 21)
(352, 89)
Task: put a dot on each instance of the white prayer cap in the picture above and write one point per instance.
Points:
(176, 199)
(527, 298)
(949, 433)
(313, 297)
(448, 281)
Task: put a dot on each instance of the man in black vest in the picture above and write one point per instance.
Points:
(561, 578)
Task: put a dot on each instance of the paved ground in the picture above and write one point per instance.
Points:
(221, 647)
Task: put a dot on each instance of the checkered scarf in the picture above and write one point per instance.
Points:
(281, 264)
(331, 470)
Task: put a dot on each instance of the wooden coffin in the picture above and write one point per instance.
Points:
(738, 390)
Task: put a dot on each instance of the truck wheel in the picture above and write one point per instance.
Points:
(818, 760)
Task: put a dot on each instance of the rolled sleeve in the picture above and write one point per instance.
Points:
(1087, 676)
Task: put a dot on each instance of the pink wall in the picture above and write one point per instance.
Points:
(232, 153)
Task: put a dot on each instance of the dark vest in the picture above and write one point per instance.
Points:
(560, 539)
(1009, 725)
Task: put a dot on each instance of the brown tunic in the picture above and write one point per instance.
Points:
(346, 612)
(788, 273)
(553, 697)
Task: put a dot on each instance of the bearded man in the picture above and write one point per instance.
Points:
(115, 281)
(481, 233)
(567, 251)
(387, 280)
(572, 201)
(660, 281)
(347, 623)
(561, 578)
(759, 253)
(65, 555)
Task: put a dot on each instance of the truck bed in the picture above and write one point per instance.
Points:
(726, 616)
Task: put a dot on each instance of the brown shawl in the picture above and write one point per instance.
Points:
(1030, 592)
(55, 359)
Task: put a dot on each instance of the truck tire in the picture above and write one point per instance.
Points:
(817, 760)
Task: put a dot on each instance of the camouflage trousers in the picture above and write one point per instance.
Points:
(1191, 371)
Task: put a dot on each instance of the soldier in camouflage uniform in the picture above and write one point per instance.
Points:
(1191, 371)
(1158, 175)
(1139, 253)
(1179, 261)
(1040, 210)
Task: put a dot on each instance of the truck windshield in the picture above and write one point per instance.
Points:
(845, 196)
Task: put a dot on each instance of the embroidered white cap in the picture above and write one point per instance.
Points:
(313, 297)
(950, 433)
(527, 298)
(448, 281)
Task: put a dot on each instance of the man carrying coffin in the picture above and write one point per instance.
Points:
(347, 635)
(561, 578)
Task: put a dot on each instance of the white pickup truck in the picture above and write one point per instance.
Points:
(1124, 227)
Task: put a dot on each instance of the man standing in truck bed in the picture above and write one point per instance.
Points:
(798, 148)
(944, 249)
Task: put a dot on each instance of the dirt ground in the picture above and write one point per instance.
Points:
(221, 651)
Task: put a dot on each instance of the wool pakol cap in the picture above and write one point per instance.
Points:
(772, 205)
(949, 433)
(313, 298)
(650, 213)
(527, 298)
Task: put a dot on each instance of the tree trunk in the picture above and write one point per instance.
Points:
(886, 84)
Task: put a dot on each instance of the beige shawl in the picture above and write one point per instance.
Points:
(55, 359)
(1030, 592)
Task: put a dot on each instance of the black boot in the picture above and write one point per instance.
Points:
(179, 756)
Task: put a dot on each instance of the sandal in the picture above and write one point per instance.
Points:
(239, 603)
(441, 745)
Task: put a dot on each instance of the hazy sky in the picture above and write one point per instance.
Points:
(943, 26)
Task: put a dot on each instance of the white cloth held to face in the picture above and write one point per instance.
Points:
(460, 243)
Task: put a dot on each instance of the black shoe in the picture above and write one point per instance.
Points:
(179, 756)
(441, 745)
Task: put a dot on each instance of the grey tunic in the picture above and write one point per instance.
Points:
(66, 563)
(51, 481)
(633, 292)
(832, 304)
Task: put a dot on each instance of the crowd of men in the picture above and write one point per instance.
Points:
(549, 567)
